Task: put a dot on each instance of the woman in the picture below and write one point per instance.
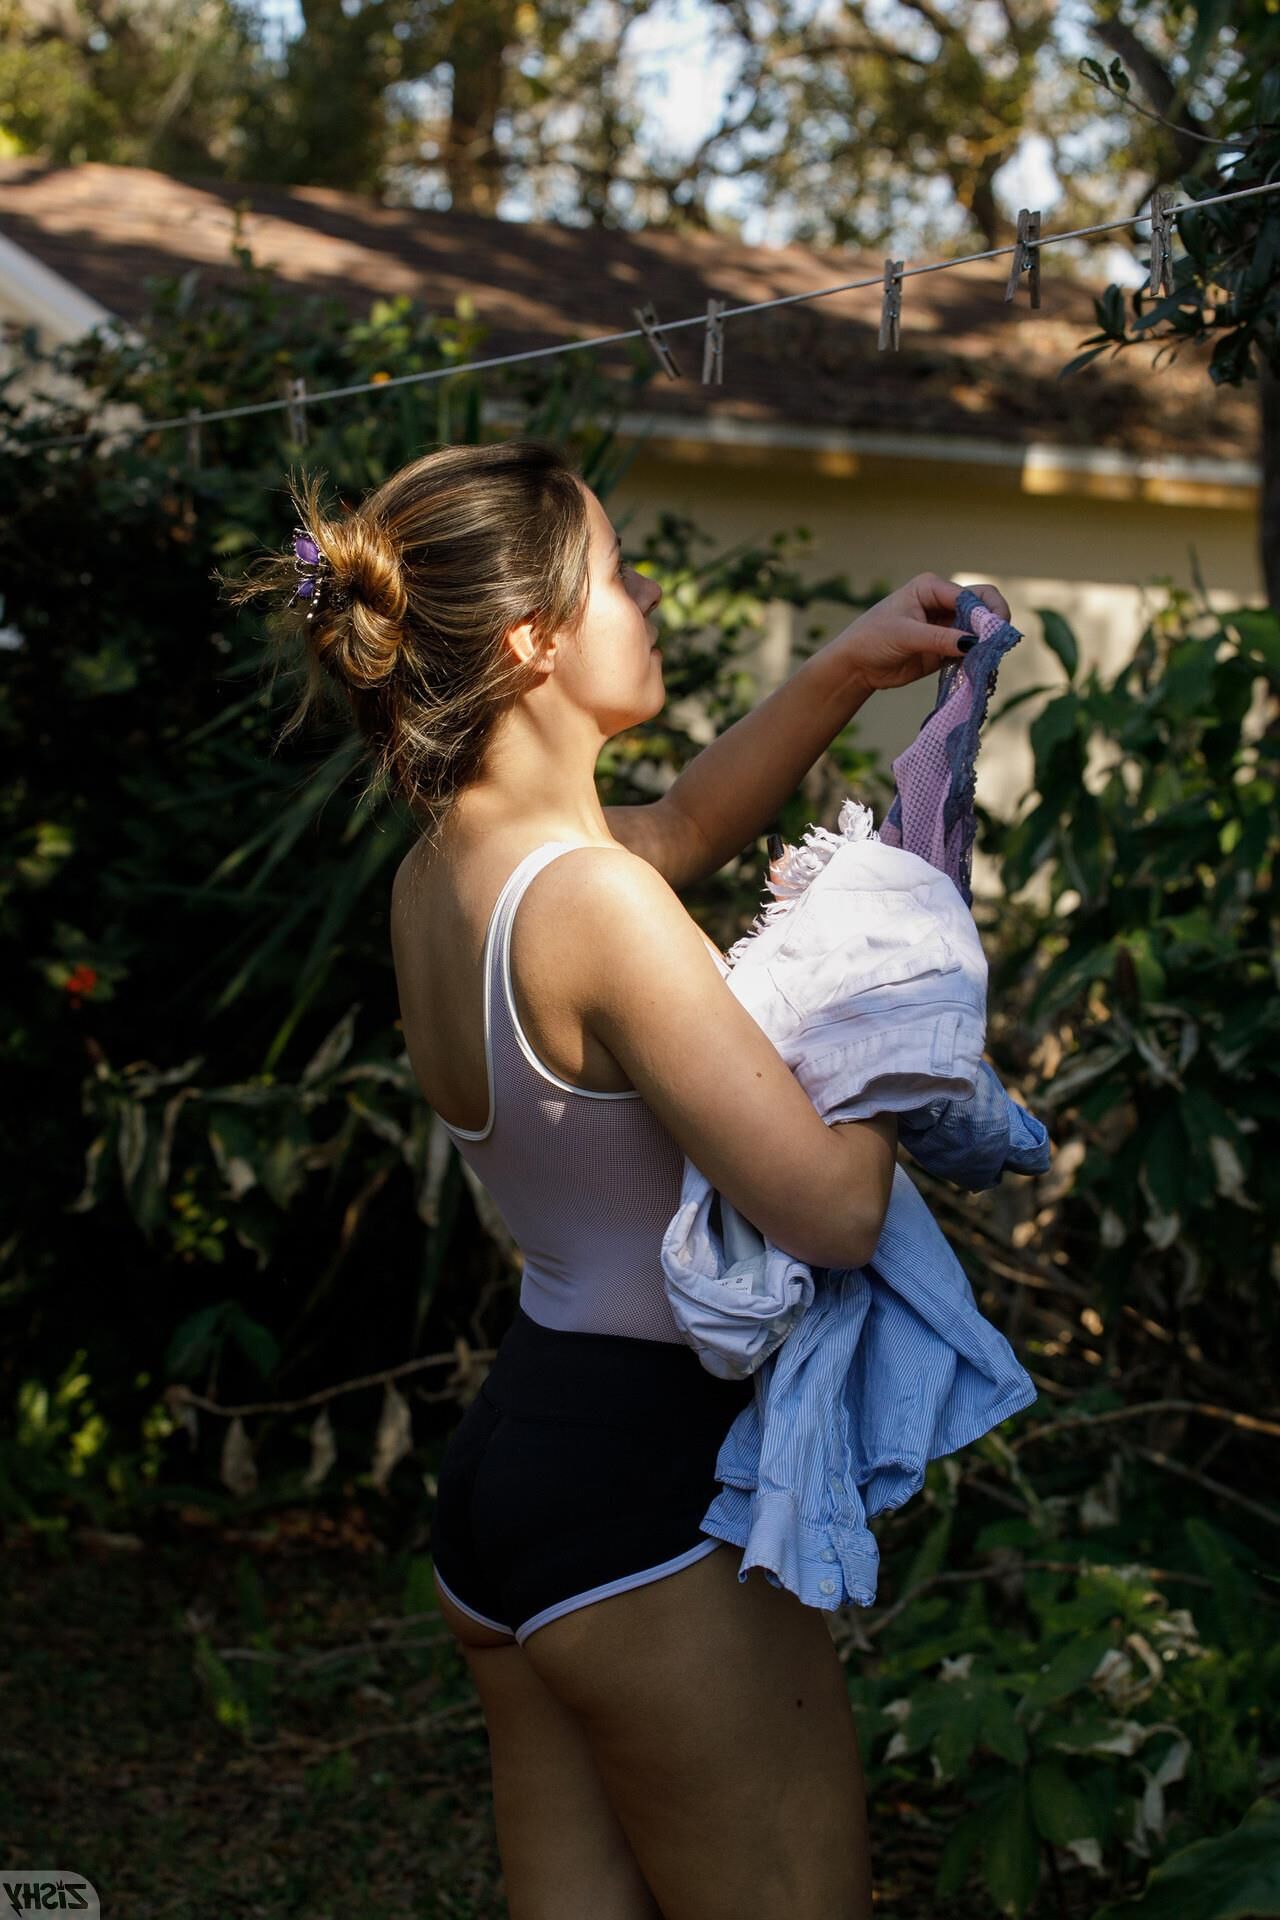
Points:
(665, 1739)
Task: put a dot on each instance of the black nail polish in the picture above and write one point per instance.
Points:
(775, 846)
(970, 640)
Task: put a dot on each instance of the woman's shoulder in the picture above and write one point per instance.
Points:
(463, 879)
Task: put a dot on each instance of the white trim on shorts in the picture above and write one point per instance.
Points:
(482, 1618)
(592, 1594)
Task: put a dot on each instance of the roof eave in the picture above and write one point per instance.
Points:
(1032, 467)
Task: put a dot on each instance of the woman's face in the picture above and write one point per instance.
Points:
(618, 669)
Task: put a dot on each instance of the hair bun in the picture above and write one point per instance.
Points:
(365, 603)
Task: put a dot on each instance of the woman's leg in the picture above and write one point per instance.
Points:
(718, 1716)
(564, 1854)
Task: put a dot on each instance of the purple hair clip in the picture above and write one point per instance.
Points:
(316, 584)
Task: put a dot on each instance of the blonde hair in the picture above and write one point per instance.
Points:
(435, 566)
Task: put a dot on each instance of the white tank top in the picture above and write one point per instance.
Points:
(586, 1182)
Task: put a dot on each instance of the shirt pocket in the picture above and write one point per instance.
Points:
(846, 942)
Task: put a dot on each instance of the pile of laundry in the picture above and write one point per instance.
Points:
(867, 972)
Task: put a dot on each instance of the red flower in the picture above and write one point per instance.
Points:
(82, 980)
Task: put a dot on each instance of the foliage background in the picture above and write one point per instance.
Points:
(1068, 1694)
(215, 1140)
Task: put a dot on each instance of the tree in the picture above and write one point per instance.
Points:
(160, 83)
(1226, 285)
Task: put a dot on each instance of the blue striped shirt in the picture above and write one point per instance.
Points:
(891, 1366)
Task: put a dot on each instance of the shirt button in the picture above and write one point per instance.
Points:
(828, 1553)
(826, 1586)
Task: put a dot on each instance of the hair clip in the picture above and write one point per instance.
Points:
(316, 584)
(891, 305)
(649, 320)
(713, 346)
(1026, 256)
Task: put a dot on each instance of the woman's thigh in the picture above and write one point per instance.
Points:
(718, 1715)
(563, 1852)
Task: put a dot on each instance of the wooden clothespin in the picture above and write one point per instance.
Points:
(295, 390)
(1026, 256)
(1162, 203)
(193, 438)
(891, 305)
(713, 344)
(649, 321)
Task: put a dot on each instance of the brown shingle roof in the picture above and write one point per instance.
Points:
(969, 364)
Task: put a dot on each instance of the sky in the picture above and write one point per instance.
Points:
(682, 71)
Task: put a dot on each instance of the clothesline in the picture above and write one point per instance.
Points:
(1026, 249)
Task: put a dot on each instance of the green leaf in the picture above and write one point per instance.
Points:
(1164, 1159)
(1119, 76)
(956, 1736)
(931, 1553)
(962, 1844)
(281, 1167)
(234, 1143)
(112, 669)
(1012, 1851)
(1068, 1671)
(1081, 360)
(1231, 1602)
(1259, 633)
(1016, 700)
(1057, 634)
(1058, 1807)
(195, 1340)
(255, 1340)
(1057, 723)
(1235, 1876)
(1147, 968)
(1001, 1730)
(332, 1050)
(1188, 679)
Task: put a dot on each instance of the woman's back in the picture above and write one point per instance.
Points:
(581, 1170)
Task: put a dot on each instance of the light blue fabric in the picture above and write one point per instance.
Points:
(975, 1141)
(868, 975)
(891, 1366)
(737, 1297)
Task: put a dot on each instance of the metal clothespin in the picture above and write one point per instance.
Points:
(891, 305)
(1026, 256)
(713, 344)
(649, 321)
(1162, 204)
(193, 438)
(296, 394)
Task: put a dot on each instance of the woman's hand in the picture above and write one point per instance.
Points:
(909, 633)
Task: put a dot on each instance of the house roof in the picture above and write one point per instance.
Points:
(970, 365)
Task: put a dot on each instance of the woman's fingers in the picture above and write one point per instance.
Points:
(938, 594)
(992, 597)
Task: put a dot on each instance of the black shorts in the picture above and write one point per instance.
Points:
(583, 1467)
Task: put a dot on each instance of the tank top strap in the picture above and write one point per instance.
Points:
(513, 891)
(525, 1073)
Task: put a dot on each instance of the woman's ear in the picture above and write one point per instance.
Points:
(522, 642)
